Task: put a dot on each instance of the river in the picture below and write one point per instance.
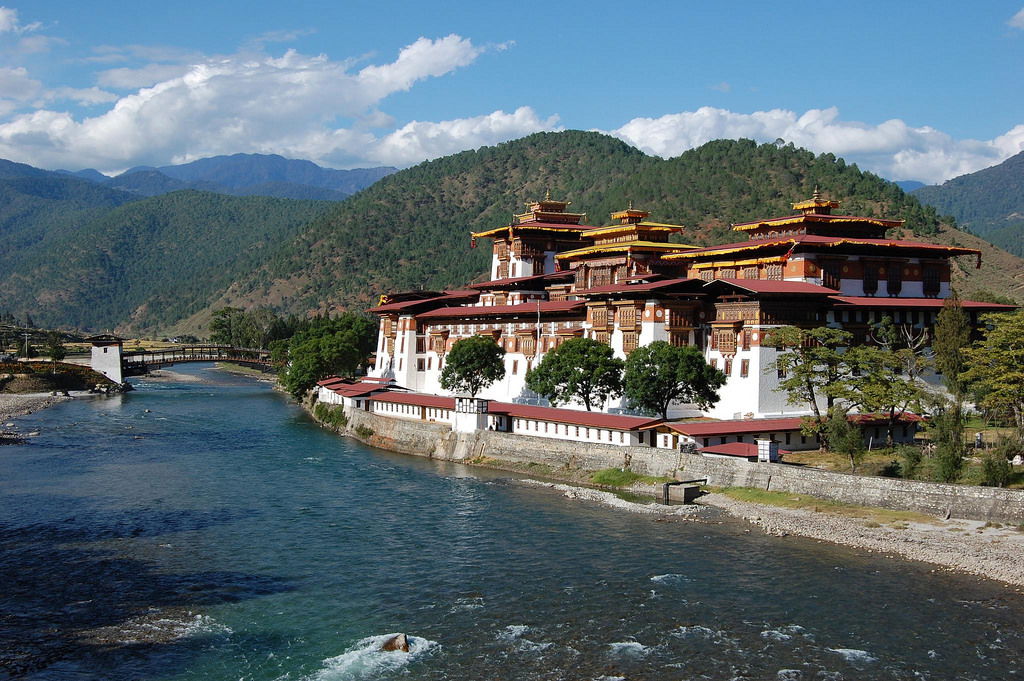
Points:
(208, 529)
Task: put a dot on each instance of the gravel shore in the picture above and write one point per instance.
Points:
(958, 545)
(14, 405)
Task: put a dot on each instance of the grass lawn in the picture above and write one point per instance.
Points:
(872, 517)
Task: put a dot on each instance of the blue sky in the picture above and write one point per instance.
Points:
(907, 90)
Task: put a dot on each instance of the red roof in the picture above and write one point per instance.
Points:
(815, 239)
(641, 288)
(932, 303)
(773, 286)
(874, 419)
(734, 427)
(357, 389)
(593, 419)
(819, 217)
(545, 307)
(332, 380)
(744, 449)
(407, 305)
(511, 282)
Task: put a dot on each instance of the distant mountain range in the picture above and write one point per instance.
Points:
(242, 175)
(989, 203)
(74, 252)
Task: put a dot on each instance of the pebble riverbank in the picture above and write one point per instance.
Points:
(960, 545)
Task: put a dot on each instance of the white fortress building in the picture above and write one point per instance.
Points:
(625, 284)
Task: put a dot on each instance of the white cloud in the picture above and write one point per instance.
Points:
(891, 149)
(85, 96)
(129, 78)
(722, 87)
(1017, 20)
(289, 104)
(15, 83)
(420, 140)
(10, 23)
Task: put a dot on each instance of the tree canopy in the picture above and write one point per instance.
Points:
(995, 367)
(659, 374)
(579, 369)
(473, 364)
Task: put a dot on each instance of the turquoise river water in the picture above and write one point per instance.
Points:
(210, 530)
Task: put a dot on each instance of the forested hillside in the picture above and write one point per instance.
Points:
(989, 203)
(412, 229)
(164, 264)
(149, 263)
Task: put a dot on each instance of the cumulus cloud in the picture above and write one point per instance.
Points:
(10, 23)
(420, 140)
(133, 78)
(293, 104)
(1017, 20)
(892, 149)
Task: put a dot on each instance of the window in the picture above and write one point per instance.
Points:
(830, 276)
(781, 372)
(789, 438)
(728, 367)
(515, 366)
(420, 364)
(707, 275)
(421, 344)
(930, 282)
(744, 368)
(747, 333)
(713, 363)
(773, 272)
(895, 281)
(430, 362)
(870, 278)
(629, 341)
(678, 339)
(750, 273)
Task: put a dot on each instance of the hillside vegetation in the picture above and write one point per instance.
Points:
(411, 229)
(149, 263)
(989, 203)
(163, 264)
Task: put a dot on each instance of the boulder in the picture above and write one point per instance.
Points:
(396, 642)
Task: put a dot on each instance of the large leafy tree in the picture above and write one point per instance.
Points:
(324, 346)
(580, 368)
(812, 364)
(885, 383)
(995, 367)
(659, 374)
(473, 364)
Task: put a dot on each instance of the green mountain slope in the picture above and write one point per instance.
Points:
(38, 208)
(989, 203)
(411, 229)
(151, 262)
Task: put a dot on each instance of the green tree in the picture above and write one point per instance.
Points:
(55, 349)
(812, 364)
(659, 374)
(844, 437)
(580, 368)
(947, 436)
(995, 367)
(952, 337)
(881, 385)
(473, 364)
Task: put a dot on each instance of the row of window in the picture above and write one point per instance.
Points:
(727, 367)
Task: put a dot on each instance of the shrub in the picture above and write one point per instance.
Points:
(365, 432)
(909, 460)
(331, 415)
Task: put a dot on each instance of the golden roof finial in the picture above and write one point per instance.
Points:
(547, 194)
(631, 204)
(817, 194)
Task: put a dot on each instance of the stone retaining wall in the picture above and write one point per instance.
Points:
(959, 501)
(436, 440)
